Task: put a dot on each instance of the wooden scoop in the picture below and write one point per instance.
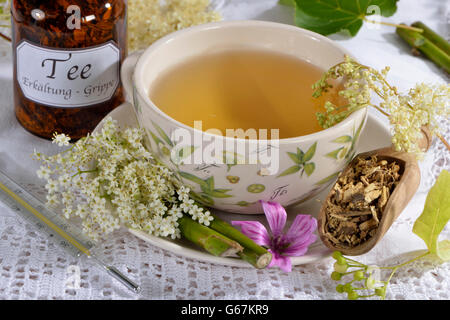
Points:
(400, 197)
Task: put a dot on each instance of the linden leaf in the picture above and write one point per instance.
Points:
(435, 216)
(444, 250)
(331, 16)
(290, 3)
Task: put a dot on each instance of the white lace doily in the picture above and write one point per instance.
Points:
(32, 267)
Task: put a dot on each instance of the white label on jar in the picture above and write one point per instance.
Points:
(68, 78)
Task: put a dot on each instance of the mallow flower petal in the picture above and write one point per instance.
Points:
(281, 261)
(276, 216)
(302, 225)
(300, 246)
(255, 230)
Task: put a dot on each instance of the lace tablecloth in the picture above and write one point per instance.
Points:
(31, 267)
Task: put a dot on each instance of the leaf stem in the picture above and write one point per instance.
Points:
(394, 25)
(85, 171)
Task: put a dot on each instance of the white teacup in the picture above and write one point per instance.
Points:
(241, 172)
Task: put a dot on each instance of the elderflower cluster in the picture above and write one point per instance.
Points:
(109, 179)
(422, 106)
(150, 20)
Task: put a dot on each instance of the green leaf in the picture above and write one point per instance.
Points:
(289, 171)
(294, 157)
(310, 153)
(290, 3)
(328, 179)
(331, 16)
(155, 138)
(210, 182)
(444, 250)
(163, 135)
(300, 155)
(202, 198)
(219, 193)
(309, 168)
(185, 152)
(334, 154)
(435, 216)
(195, 179)
(343, 139)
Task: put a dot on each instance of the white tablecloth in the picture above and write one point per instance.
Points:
(31, 267)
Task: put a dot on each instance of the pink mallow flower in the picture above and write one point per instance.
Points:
(283, 246)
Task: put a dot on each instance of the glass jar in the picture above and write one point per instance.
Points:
(67, 58)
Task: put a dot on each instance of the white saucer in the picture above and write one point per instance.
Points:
(375, 135)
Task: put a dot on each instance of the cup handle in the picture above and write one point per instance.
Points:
(126, 74)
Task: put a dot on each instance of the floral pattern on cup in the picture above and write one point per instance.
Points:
(302, 162)
(347, 150)
(256, 188)
(208, 190)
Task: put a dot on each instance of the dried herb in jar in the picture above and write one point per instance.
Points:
(67, 57)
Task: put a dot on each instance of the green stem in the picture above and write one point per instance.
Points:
(433, 37)
(85, 171)
(253, 253)
(425, 46)
(354, 261)
(208, 239)
(403, 26)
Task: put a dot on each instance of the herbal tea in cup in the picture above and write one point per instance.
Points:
(242, 89)
(254, 78)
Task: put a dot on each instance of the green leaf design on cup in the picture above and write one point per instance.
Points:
(163, 135)
(343, 139)
(347, 151)
(208, 189)
(302, 162)
(331, 177)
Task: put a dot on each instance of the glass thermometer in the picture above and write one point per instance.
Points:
(65, 234)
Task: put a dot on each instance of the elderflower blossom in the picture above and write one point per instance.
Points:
(109, 179)
(150, 20)
(422, 106)
(61, 139)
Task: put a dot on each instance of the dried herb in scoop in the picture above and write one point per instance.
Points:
(357, 200)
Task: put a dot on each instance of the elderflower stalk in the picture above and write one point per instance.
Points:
(421, 107)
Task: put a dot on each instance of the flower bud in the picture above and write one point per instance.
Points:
(370, 283)
(341, 268)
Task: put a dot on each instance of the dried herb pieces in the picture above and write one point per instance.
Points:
(356, 203)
